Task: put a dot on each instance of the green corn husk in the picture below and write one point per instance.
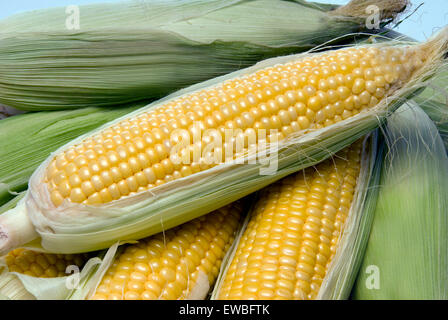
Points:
(138, 50)
(434, 101)
(407, 252)
(338, 282)
(17, 286)
(92, 227)
(28, 139)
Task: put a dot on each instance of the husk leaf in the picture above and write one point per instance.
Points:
(407, 252)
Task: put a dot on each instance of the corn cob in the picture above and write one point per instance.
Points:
(407, 252)
(146, 49)
(295, 239)
(124, 178)
(42, 265)
(181, 263)
(27, 140)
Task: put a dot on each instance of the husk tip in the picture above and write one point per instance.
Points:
(388, 9)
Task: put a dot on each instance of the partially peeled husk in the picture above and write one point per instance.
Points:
(339, 280)
(17, 286)
(74, 228)
(407, 252)
(134, 50)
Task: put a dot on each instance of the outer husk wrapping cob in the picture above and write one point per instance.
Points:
(146, 49)
(27, 140)
(17, 286)
(341, 275)
(407, 252)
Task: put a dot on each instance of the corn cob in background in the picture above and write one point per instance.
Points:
(136, 50)
(407, 252)
(306, 235)
(122, 180)
(27, 140)
(181, 263)
(27, 274)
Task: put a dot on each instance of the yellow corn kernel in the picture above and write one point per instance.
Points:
(42, 265)
(309, 93)
(293, 232)
(169, 265)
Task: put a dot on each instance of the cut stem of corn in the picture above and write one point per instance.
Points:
(181, 263)
(168, 161)
(306, 233)
(407, 252)
(135, 50)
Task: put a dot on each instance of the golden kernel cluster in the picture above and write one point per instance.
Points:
(311, 93)
(293, 233)
(169, 265)
(42, 265)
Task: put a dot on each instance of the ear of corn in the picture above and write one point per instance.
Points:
(28, 274)
(28, 139)
(122, 180)
(306, 234)
(407, 251)
(180, 263)
(130, 51)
